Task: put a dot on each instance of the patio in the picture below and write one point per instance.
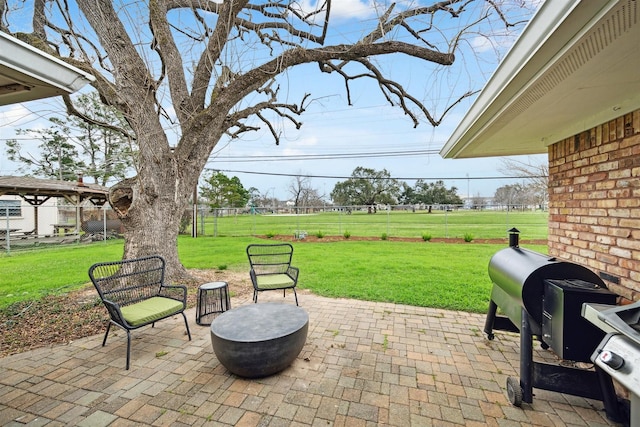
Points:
(364, 364)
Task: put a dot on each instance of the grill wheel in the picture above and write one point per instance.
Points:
(514, 391)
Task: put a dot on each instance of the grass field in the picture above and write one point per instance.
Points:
(437, 224)
(444, 275)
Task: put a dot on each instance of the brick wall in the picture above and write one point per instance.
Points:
(594, 202)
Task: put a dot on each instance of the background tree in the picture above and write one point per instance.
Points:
(536, 175)
(222, 191)
(98, 145)
(109, 150)
(303, 194)
(204, 70)
(514, 196)
(366, 187)
(57, 156)
(434, 193)
(478, 202)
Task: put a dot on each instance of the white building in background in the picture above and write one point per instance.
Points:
(17, 215)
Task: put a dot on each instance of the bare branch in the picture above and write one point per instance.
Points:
(172, 64)
(257, 110)
(217, 42)
(72, 110)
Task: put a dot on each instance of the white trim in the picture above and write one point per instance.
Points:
(43, 74)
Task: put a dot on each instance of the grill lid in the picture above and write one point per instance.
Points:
(520, 274)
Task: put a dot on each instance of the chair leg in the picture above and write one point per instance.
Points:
(295, 295)
(255, 296)
(187, 325)
(104, 341)
(128, 348)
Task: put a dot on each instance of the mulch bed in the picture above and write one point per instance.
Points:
(63, 318)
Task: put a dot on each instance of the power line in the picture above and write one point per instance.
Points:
(330, 156)
(477, 178)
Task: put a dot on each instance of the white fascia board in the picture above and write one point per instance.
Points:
(26, 64)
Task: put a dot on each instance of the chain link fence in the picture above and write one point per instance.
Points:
(436, 221)
(54, 223)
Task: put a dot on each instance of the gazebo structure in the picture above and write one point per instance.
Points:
(37, 191)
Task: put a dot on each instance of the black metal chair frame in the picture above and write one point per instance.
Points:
(270, 260)
(130, 281)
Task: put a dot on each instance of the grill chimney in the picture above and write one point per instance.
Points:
(514, 238)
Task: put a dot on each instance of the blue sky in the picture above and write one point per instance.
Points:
(336, 138)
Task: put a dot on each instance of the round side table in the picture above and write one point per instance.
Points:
(213, 299)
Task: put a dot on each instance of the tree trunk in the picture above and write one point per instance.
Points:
(150, 207)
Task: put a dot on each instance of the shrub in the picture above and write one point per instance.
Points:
(468, 237)
(347, 234)
(270, 234)
(222, 267)
(319, 234)
(426, 237)
(384, 236)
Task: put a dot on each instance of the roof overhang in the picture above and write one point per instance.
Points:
(27, 73)
(575, 66)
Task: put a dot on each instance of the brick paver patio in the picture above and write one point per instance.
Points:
(364, 364)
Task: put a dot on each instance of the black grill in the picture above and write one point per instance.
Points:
(541, 298)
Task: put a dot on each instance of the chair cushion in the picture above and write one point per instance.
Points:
(274, 281)
(150, 310)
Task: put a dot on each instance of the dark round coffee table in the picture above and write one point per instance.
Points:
(259, 339)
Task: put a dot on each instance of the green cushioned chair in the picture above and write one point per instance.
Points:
(135, 295)
(271, 268)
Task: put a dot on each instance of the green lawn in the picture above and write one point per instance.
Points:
(444, 275)
(439, 223)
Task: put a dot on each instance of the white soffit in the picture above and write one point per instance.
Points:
(27, 73)
(575, 66)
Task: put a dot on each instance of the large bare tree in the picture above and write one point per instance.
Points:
(187, 73)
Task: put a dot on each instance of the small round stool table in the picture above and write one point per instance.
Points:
(213, 299)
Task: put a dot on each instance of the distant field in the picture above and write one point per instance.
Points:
(437, 224)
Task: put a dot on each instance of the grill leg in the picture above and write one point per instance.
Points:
(491, 317)
(526, 358)
(609, 396)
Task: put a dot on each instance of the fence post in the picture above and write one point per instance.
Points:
(446, 224)
(388, 218)
(215, 222)
(6, 234)
(201, 210)
(104, 224)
